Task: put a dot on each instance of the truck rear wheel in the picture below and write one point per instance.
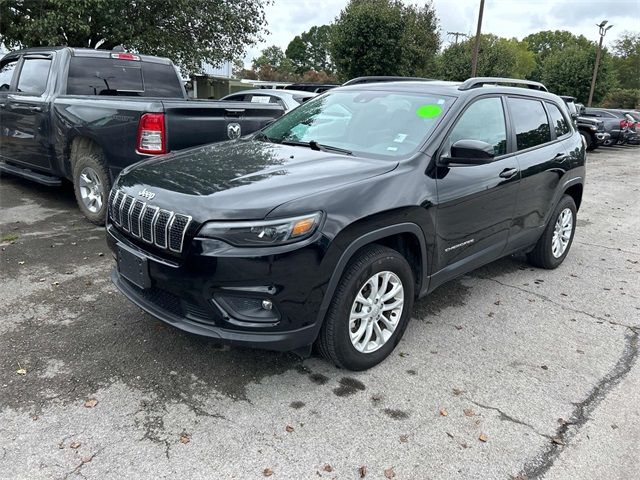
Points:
(91, 184)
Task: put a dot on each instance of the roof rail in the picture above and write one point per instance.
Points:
(375, 79)
(480, 81)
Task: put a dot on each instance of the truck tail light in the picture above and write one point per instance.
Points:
(623, 124)
(152, 138)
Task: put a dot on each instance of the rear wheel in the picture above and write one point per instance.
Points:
(590, 141)
(554, 244)
(370, 309)
(91, 185)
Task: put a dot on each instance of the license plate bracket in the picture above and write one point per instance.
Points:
(134, 267)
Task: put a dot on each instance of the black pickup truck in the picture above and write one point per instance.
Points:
(84, 115)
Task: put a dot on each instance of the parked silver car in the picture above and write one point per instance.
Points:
(289, 99)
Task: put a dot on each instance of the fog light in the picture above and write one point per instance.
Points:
(267, 304)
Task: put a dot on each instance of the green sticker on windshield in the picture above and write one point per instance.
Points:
(429, 111)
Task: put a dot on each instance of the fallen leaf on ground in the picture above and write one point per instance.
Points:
(20, 263)
(497, 302)
(362, 471)
(75, 445)
(21, 371)
(101, 254)
(482, 437)
(90, 403)
(544, 367)
(289, 428)
(468, 412)
(457, 392)
(557, 441)
(404, 438)
(327, 468)
(459, 327)
(267, 472)
(86, 459)
(389, 473)
(185, 438)
(443, 412)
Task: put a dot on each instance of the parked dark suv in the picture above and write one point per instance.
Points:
(326, 225)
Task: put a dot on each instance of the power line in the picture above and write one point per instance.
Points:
(457, 34)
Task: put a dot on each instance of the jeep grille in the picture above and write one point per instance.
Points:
(162, 228)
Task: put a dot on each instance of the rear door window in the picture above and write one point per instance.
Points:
(6, 74)
(558, 122)
(33, 76)
(530, 122)
(118, 77)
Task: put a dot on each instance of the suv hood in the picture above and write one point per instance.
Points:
(243, 179)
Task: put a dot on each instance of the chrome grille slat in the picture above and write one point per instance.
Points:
(162, 228)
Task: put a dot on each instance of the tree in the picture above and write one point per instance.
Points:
(190, 32)
(626, 60)
(310, 50)
(384, 37)
(272, 65)
(547, 42)
(498, 57)
(625, 98)
(569, 72)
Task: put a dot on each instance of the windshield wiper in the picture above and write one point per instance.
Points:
(313, 145)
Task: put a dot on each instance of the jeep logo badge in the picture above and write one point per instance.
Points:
(146, 194)
(233, 130)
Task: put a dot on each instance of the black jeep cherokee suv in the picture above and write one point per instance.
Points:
(327, 224)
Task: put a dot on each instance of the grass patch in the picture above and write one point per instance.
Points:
(9, 237)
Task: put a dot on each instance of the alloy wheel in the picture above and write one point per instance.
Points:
(91, 189)
(376, 311)
(562, 233)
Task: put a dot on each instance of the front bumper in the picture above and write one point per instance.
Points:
(602, 137)
(193, 293)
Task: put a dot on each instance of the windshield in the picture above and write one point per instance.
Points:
(377, 123)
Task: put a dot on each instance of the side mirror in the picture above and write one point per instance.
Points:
(469, 152)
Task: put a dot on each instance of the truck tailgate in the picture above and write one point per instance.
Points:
(198, 122)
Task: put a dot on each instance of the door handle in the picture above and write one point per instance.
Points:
(560, 157)
(35, 109)
(508, 172)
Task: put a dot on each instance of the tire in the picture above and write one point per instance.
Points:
(590, 140)
(542, 255)
(334, 341)
(91, 166)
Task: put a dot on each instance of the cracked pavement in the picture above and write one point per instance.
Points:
(543, 365)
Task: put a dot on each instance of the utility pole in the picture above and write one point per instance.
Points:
(476, 45)
(603, 32)
(457, 34)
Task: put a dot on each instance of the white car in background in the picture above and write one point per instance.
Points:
(289, 99)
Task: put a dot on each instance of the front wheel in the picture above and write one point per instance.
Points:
(370, 309)
(91, 185)
(555, 242)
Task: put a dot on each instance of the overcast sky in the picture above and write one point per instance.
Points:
(507, 18)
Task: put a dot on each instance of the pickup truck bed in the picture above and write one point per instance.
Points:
(84, 115)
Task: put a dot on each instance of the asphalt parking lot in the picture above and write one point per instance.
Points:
(508, 372)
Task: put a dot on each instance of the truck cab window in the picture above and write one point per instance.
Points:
(34, 75)
(6, 74)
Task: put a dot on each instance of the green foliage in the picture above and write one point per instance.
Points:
(498, 57)
(310, 50)
(626, 60)
(384, 37)
(190, 32)
(273, 65)
(569, 71)
(548, 42)
(622, 98)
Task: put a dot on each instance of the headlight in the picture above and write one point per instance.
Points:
(263, 233)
